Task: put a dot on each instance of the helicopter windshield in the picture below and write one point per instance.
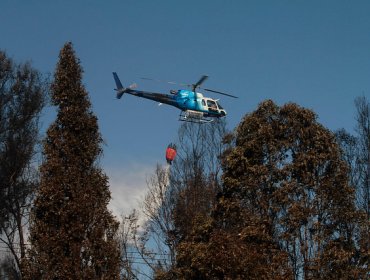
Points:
(219, 106)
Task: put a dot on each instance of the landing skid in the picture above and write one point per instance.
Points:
(193, 116)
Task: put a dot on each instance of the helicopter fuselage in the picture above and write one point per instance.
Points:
(193, 103)
(184, 100)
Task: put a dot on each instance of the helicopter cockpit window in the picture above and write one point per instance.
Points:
(211, 105)
(203, 102)
(219, 106)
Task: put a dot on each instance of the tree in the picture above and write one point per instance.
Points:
(23, 94)
(286, 209)
(195, 175)
(178, 197)
(356, 152)
(72, 232)
(363, 190)
(349, 145)
(131, 253)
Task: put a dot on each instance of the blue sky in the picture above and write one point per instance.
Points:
(314, 53)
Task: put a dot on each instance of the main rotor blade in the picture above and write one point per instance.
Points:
(168, 82)
(201, 81)
(219, 92)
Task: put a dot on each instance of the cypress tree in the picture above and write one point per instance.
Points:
(72, 232)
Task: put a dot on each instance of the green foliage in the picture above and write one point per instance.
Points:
(72, 232)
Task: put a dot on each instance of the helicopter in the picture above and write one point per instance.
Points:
(194, 106)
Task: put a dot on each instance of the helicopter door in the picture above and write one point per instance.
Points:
(204, 105)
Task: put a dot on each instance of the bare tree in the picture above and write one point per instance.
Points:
(23, 94)
(351, 154)
(128, 244)
(363, 130)
(363, 186)
(144, 237)
(177, 197)
(356, 152)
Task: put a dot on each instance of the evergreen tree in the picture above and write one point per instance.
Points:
(72, 232)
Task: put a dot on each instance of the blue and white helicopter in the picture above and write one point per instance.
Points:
(193, 105)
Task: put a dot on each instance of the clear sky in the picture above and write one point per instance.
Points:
(315, 53)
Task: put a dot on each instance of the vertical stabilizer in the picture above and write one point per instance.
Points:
(120, 89)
